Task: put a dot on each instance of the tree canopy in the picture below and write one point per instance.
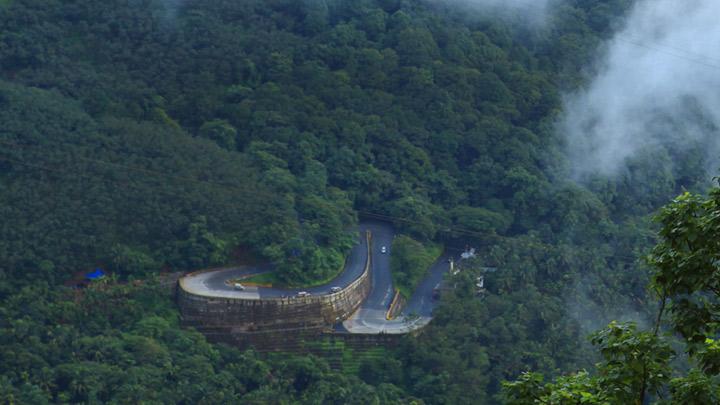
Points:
(151, 136)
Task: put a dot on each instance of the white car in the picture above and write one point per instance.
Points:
(383, 249)
(239, 287)
(335, 289)
(303, 294)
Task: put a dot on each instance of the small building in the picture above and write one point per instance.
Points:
(468, 254)
(97, 274)
(83, 279)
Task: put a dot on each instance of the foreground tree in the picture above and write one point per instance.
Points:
(636, 364)
(687, 260)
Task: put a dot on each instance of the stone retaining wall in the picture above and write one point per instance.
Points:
(300, 340)
(229, 319)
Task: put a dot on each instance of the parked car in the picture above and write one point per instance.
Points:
(239, 287)
(335, 289)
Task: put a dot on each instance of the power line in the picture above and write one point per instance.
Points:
(215, 200)
(484, 237)
(135, 168)
(680, 51)
(676, 52)
(452, 229)
(444, 229)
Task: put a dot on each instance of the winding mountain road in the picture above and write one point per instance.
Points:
(370, 318)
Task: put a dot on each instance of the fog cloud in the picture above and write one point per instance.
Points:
(582, 306)
(509, 4)
(658, 87)
(533, 10)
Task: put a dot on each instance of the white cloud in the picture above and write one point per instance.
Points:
(658, 85)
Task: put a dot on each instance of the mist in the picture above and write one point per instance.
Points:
(535, 11)
(171, 8)
(582, 306)
(655, 91)
(519, 5)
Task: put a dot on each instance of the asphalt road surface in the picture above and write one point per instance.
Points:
(370, 318)
(214, 283)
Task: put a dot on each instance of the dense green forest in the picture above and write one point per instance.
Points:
(152, 136)
(409, 261)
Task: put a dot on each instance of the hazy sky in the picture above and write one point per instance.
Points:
(659, 84)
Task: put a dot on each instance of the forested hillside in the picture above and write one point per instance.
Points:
(148, 136)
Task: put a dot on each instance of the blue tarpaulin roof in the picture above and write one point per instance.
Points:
(95, 275)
